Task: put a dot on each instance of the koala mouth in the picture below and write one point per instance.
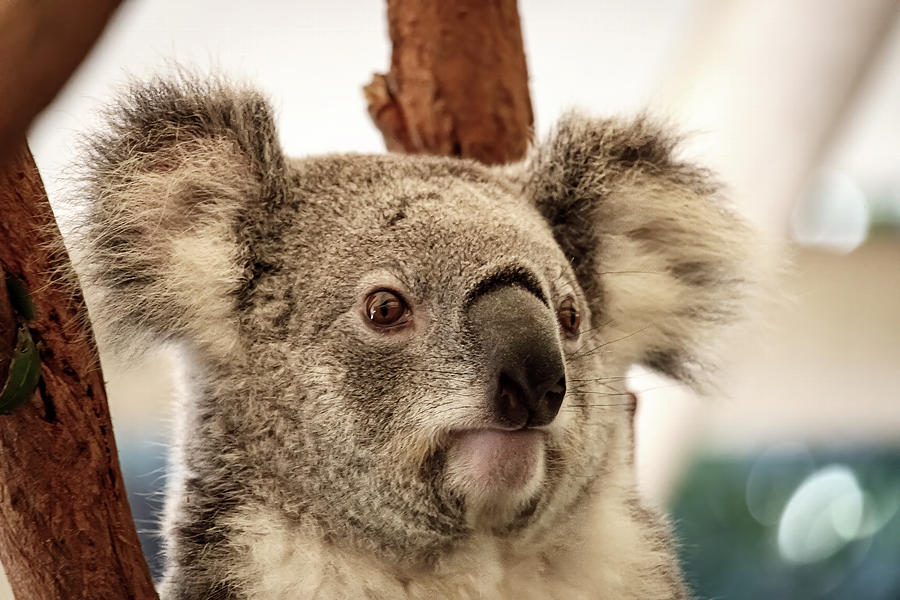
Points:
(491, 461)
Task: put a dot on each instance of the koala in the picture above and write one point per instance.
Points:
(405, 374)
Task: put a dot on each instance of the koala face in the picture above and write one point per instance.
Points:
(399, 353)
(428, 339)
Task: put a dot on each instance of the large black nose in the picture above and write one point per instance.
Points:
(523, 353)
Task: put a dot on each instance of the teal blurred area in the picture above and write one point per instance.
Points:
(792, 522)
(144, 469)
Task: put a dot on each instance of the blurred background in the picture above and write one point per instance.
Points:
(786, 482)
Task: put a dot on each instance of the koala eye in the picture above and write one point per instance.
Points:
(384, 308)
(569, 317)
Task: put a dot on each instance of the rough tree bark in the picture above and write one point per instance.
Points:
(458, 83)
(66, 529)
(41, 43)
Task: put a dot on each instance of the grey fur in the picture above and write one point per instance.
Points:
(198, 231)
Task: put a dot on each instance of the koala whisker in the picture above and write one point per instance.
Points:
(461, 375)
(606, 385)
(463, 390)
(456, 394)
(444, 385)
(596, 405)
(439, 372)
(632, 273)
(593, 379)
(458, 389)
(448, 379)
(599, 347)
(583, 332)
(453, 379)
(322, 373)
(575, 393)
(463, 410)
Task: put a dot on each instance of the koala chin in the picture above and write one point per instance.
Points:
(405, 372)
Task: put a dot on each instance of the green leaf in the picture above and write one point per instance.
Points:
(24, 372)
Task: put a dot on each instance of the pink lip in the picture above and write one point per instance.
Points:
(496, 456)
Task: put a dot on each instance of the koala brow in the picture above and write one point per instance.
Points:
(512, 275)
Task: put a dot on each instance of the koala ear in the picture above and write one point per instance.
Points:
(655, 248)
(175, 190)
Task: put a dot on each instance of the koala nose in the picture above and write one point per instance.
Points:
(528, 405)
(525, 361)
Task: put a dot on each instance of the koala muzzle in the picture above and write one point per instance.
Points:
(524, 358)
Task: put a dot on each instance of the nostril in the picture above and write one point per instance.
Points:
(510, 402)
(553, 398)
(560, 387)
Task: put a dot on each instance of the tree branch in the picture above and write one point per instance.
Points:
(458, 84)
(41, 43)
(66, 529)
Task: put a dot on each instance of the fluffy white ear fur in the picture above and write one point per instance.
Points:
(163, 242)
(652, 241)
(673, 267)
(176, 257)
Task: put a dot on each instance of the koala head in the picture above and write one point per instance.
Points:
(396, 351)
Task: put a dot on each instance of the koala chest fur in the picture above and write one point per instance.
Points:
(406, 373)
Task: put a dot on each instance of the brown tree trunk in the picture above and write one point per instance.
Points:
(458, 84)
(66, 529)
(41, 43)
(65, 524)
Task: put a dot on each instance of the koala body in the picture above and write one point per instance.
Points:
(405, 373)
